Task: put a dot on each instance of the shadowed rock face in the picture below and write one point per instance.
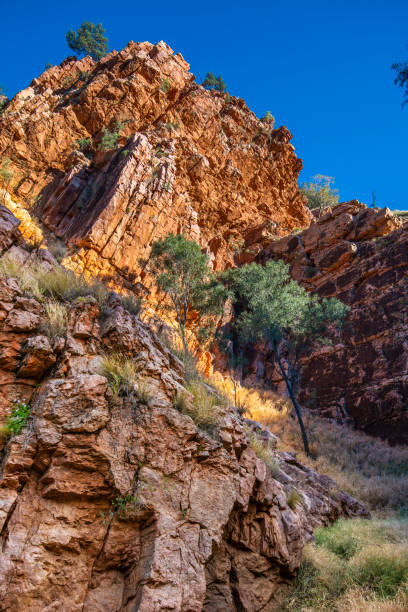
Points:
(187, 160)
(360, 256)
(112, 504)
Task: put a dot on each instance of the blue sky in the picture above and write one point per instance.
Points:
(322, 68)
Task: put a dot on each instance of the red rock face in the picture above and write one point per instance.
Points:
(208, 526)
(187, 160)
(360, 256)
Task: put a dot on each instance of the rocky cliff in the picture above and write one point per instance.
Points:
(175, 158)
(117, 503)
(360, 256)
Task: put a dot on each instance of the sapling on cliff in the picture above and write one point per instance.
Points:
(281, 313)
(193, 293)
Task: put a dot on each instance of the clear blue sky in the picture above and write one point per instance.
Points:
(321, 67)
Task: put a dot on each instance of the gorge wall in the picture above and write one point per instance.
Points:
(121, 503)
(187, 160)
(199, 162)
(360, 256)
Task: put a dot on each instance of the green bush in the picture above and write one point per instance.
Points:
(17, 420)
(84, 144)
(212, 82)
(319, 193)
(110, 138)
(165, 85)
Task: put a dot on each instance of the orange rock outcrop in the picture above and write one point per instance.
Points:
(185, 159)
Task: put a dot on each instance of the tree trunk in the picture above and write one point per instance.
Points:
(294, 402)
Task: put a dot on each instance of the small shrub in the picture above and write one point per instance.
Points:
(191, 373)
(66, 81)
(110, 138)
(124, 505)
(293, 498)
(269, 119)
(212, 82)
(10, 268)
(171, 126)
(62, 284)
(55, 322)
(165, 85)
(202, 407)
(143, 392)
(125, 153)
(263, 450)
(121, 374)
(132, 303)
(17, 420)
(84, 144)
(85, 77)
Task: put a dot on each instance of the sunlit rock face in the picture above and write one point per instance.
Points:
(117, 503)
(360, 256)
(186, 159)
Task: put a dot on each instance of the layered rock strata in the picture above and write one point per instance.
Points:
(360, 256)
(115, 154)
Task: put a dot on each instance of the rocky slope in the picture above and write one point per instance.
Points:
(186, 160)
(360, 256)
(111, 503)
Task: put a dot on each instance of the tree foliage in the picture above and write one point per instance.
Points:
(212, 82)
(269, 119)
(401, 78)
(181, 272)
(280, 312)
(320, 193)
(89, 39)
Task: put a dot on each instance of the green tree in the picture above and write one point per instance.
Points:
(401, 78)
(280, 312)
(89, 39)
(320, 193)
(181, 272)
(212, 82)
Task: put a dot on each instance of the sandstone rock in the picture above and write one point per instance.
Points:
(127, 499)
(187, 160)
(358, 255)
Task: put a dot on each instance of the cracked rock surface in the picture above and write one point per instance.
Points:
(110, 503)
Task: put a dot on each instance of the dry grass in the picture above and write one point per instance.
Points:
(200, 404)
(266, 407)
(58, 283)
(366, 467)
(263, 450)
(121, 373)
(55, 319)
(355, 565)
(132, 303)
